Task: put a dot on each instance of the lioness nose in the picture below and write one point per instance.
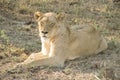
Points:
(44, 32)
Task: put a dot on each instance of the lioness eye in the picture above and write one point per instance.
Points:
(52, 24)
(41, 23)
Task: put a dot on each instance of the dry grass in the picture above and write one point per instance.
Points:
(19, 38)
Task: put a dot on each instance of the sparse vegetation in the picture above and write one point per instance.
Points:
(19, 38)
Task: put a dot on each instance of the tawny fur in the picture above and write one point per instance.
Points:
(62, 42)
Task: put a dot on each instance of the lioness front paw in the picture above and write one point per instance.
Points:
(19, 65)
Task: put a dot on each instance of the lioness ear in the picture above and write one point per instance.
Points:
(60, 16)
(38, 15)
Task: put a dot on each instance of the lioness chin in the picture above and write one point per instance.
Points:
(60, 42)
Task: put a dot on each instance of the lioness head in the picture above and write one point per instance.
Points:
(48, 23)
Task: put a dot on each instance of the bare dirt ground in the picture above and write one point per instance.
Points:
(19, 38)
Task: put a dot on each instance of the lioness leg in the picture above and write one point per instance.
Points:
(37, 59)
(33, 57)
(47, 61)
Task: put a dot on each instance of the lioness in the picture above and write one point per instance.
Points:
(60, 42)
